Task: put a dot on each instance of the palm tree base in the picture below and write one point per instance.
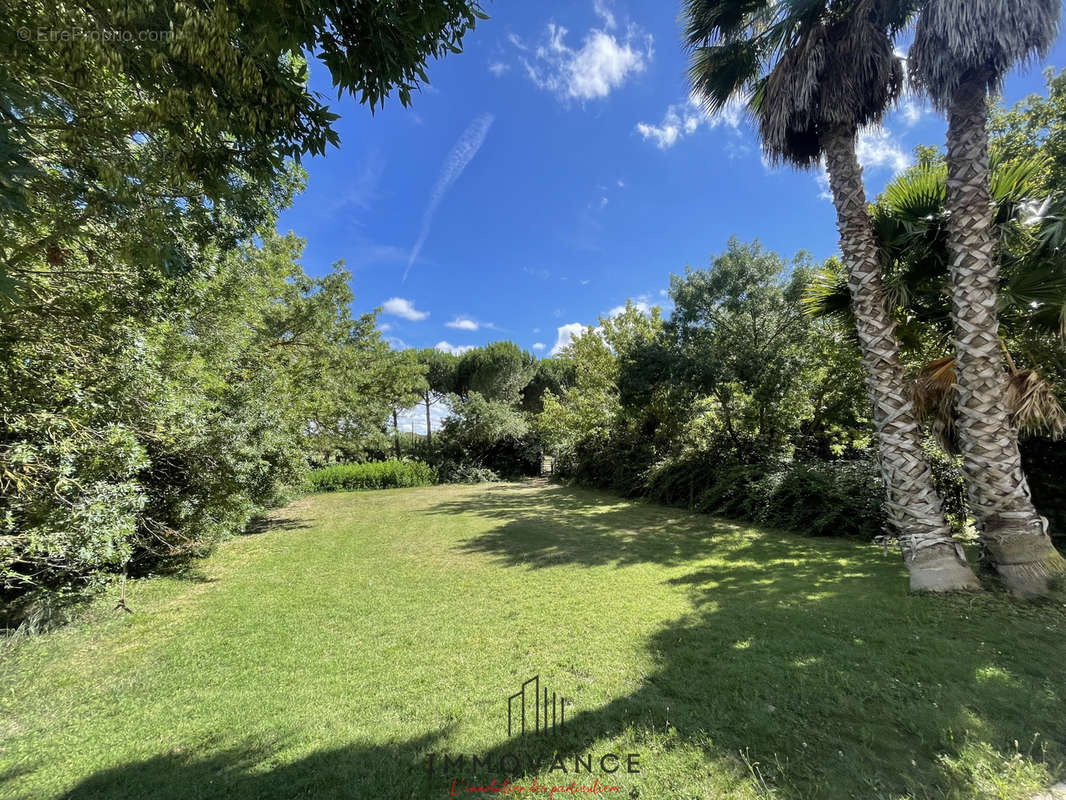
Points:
(1026, 563)
(939, 569)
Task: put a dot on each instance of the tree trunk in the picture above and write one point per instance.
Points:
(396, 433)
(429, 424)
(1014, 534)
(934, 560)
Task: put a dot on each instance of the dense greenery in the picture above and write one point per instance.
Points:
(371, 475)
(167, 367)
(146, 423)
(355, 634)
(738, 404)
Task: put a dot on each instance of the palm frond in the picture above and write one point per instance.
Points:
(709, 21)
(919, 194)
(718, 72)
(827, 295)
(934, 394)
(1033, 405)
(840, 73)
(1015, 185)
(955, 38)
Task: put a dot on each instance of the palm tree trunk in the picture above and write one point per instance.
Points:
(1014, 534)
(935, 561)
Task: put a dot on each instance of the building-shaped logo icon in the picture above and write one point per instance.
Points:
(540, 710)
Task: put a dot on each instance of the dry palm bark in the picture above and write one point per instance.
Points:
(1014, 533)
(935, 561)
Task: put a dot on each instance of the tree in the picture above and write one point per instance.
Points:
(1035, 125)
(176, 119)
(743, 341)
(440, 381)
(146, 421)
(815, 73)
(499, 372)
(551, 375)
(962, 49)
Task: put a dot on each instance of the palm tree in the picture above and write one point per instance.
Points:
(813, 74)
(962, 50)
(910, 223)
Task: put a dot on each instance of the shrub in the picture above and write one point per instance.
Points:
(453, 472)
(372, 475)
(816, 498)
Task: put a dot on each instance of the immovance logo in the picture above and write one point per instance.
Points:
(537, 727)
(534, 710)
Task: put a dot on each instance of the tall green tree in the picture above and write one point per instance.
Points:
(499, 372)
(742, 340)
(441, 370)
(962, 50)
(176, 120)
(813, 74)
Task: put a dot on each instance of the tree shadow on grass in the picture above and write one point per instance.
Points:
(809, 656)
(803, 662)
(243, 772)
(545, 527)
(272, 522)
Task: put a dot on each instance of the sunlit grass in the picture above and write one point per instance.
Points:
(328, 655)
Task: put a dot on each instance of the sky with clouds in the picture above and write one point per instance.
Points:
(554, 169)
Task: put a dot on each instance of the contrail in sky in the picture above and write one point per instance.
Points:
(461, 154)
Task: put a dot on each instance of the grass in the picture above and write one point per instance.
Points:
(327, 655)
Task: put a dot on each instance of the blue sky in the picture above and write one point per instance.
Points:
(554, 169)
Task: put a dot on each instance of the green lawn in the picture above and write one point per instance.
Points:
(327, 654)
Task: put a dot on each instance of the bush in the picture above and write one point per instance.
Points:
(816, 498)
(453, 472)
(372, 475)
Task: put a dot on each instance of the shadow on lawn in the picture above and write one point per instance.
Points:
(548, 526)
(356, 771)
(807, 656)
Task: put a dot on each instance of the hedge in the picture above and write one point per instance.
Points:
(372, 475)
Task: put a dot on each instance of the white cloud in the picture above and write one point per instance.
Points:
(913, 110)
(565, 334)
(684, 119)
(400, 307)
(362, 187)
(461, 154)
(464, 324)
(602, 11)
(416, 418)
(539, 345)
(602, 64)
(822, 179)
(454, 349)
(385, 327)
(642, 306)
(498, 68)
(877, 147)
